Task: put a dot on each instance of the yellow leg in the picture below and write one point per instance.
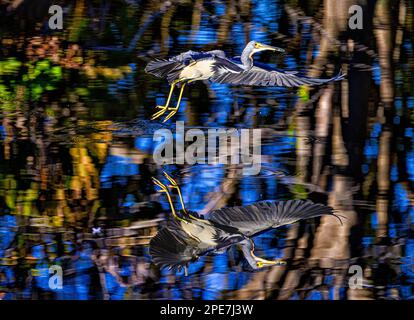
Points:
(175, 186)
(174, 110)
(164, 108)
(164, 189)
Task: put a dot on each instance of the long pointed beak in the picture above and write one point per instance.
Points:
(267, 47)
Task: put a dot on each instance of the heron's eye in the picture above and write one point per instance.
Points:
(256, 46)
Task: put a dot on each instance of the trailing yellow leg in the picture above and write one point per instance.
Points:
(164, 108)
(164, 189)
(176, 186)
(174, 110)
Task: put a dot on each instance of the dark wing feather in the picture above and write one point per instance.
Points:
(258, 76)
(261, 216)
(163, 68)
(222, 65)
(171, 248)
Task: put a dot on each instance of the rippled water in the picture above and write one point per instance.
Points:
(77, 154)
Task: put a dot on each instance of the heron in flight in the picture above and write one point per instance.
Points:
(188, 236)
(215, 66)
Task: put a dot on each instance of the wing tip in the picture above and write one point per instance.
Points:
(339, 217)
(340, 76)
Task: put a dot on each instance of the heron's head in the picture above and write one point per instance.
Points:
(254, 46)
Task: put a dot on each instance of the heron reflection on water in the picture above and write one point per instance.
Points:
(215, 66)
(187, 236)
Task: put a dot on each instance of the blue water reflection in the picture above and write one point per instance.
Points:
(77, 159)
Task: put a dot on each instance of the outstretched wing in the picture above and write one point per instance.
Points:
(171, 248)
(261, 76)
(261, 216)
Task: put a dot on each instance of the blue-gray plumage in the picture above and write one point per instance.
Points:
(187, 237)
(215, 66)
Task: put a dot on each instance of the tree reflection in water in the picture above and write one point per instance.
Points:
(76, 148)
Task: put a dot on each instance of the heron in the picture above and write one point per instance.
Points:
(213, 65)
(188, 236)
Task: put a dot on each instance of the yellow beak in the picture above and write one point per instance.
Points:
(267, 47)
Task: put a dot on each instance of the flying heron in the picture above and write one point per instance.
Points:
(187, 236)
(215, 66)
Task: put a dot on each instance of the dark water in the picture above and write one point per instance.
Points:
(77, 152)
